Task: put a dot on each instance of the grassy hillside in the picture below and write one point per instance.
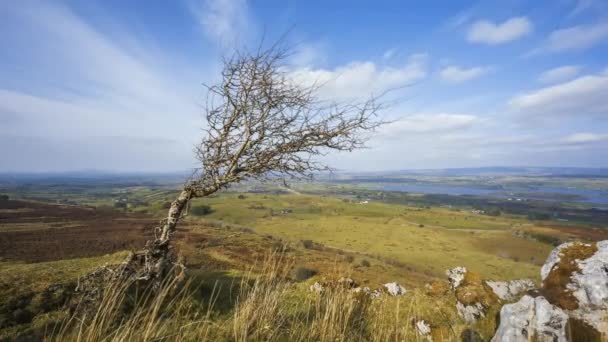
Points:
(427, 240)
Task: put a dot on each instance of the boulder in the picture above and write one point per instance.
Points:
(531, 318)
(456, 276)
(575, 278)
(508, 290)
(394, 289)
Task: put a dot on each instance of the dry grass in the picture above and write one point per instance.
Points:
(269, 307)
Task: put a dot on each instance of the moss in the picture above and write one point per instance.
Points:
(581, 331)
(437, 288)
(474, 290)
(555, 285)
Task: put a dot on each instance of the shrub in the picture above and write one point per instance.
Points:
(201, 210)
(303, 273)
(365, 263)
(4, 197)
(241, 196)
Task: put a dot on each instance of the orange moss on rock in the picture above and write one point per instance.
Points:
(474, 290)
(437, 288)
(554, 287)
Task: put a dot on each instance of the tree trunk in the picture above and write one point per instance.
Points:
(175, 212)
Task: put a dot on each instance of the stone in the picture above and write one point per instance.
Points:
(552, 259)
(531, 318)
(394, 289)
(424, 329)
(456, 276)
(508, 290)
(470, 313)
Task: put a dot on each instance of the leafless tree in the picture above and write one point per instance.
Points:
(259, 124)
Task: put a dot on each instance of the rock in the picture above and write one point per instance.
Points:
(456, 276)
(507, 290)
(394, 289)
(552, 259)
(531, 318)
(590, 284)
(575, 278)
(470, 313)
(424, 329)
(317, 287)
(375, 294)
(473, 297)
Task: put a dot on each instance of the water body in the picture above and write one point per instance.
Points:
(570, 195)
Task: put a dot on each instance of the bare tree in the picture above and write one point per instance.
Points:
(260, 124)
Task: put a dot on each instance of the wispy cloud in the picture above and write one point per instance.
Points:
(81, 83)
(487, 32)
(425, 123)
(559, 74)
(226, 22)
(362, 79)
(585, 138)
(583, 95)
(456, 74)
(577, 37)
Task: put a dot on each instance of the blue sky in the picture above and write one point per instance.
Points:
(116, 85)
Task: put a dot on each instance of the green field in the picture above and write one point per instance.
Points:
(428, 240)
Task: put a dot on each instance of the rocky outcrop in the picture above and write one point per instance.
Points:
(508, 290)
(531, 318)
(473, 296)
(394, 289)
(575, 278)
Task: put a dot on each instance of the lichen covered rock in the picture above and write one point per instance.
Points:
(531, 319)
(473, 297)
(456, 276)
(507, 290)
(575, 278)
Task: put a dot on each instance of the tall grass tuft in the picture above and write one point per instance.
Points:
(268, 306)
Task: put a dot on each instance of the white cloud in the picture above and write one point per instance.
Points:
(309, 54)
(456, 74)
(428, 123)
(361, 79)
(583, 95)
(577, 37)
(224, 21)
(558, 74)
(487, 32)
(584, 138)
